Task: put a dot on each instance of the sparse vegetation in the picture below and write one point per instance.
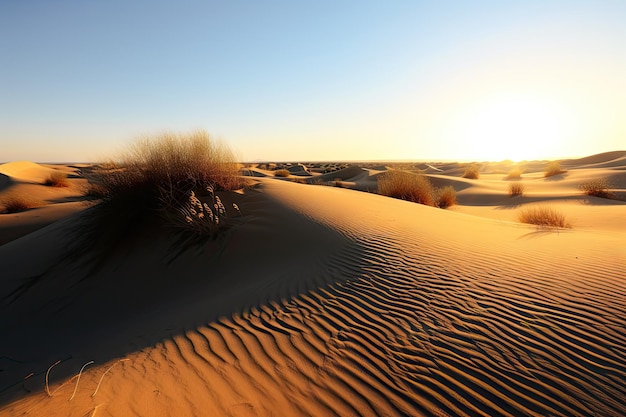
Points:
(155, 180)
(416, 188)
(472, 172)
(281, 173)
(446, 197)
(514, 174)
(543, 216)
(406, 186)
(553, 168)
(516, 189)
(57, 179)
(599, 187)
(14, 202)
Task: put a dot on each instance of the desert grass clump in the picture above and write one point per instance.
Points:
(553, 168)
(148, 185)
(446, 197)
(514, 174)
(281, 173)
(14, 203)
(599, 187)
(544, 217)
(472, 172)
(57, 179)
(406, 186)
(516, 189)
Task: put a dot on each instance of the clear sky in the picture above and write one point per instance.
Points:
(315, 80)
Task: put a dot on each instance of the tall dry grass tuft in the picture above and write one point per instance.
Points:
(281, 173)
(57, 179)
(599, 187)
(516, 189)
(446, 197)
(543, 216)
(148, 184)
(12, 202)
(472, 172)
(406, 186)
(514, 174)
(553, 168)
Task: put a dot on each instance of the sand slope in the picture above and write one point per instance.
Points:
(50, 204)
(324, 301)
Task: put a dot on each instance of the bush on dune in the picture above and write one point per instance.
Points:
(446, 197)
(514, 174)
(472, 172)
(57, 179)
(599, 187)
(543, 216)
(516, 188)
(14, 202)
(553, 168)
(406, 186)
(159, 179)
(281, 173)
(416, 188)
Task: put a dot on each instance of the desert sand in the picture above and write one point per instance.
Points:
(324, 301)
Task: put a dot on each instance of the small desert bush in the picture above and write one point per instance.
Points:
(472, 172)
(514, 174)
(516, 188)
(543, 216)
(553, 168)
(406, 186)
(14, 202)
(281, 173)
(446, 197)
(153, 181)
(599, 187)
(57, 179)
(168, 165)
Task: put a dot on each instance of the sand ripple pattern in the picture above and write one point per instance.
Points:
(402, 332)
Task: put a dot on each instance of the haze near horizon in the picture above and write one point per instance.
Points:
(323, 81)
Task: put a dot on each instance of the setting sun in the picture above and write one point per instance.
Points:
(515, 126)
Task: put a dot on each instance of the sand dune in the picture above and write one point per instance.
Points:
(49, 203)
(328, 301)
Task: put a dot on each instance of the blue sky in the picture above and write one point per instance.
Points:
(279, 80)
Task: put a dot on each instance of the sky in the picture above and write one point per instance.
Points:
(315, 80)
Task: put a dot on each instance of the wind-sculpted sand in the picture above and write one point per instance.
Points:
(327, 301)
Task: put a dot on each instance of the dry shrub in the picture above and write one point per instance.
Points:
(516, 188)
(446, 197)
(406, 186)
(553, 168)
(57, 179)
(472, 172)
(281, 173)
(514, 174)
(169, 165)
(14, 202)
(153, 182)
(599, 187)
(543, 216)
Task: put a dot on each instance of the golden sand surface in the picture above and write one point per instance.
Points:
(325, 301)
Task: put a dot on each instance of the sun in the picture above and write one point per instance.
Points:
(512, 126)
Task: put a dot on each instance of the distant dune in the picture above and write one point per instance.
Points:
(324, 300)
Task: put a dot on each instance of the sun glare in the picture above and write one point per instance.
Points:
(514, 127)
